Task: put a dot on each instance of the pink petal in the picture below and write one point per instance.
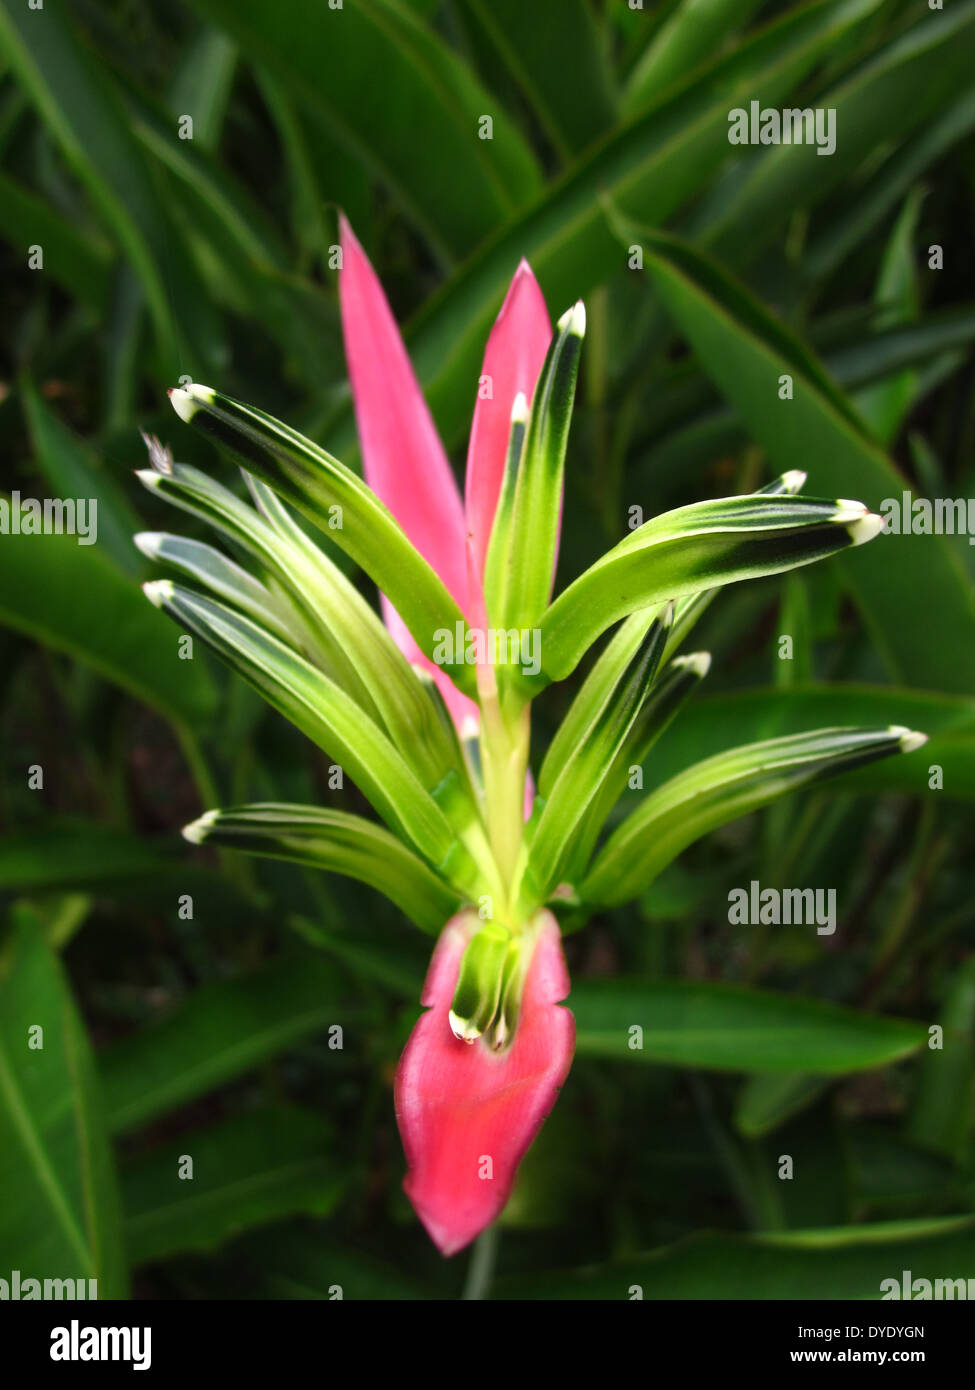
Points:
(458, 1104)
(513, 359)
(403, 459)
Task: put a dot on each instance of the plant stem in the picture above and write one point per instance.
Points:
(480, 1271)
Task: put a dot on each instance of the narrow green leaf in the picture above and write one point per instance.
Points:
(72, 471)
(75, 259)
(721, 789)
(538, 54)
(694, 548)
(730, 1028)
(201, 84)
(431, 101)
(61, 1214)
(571, 778)
(941, 1116)
(849, 1262)
(326, 715)
(220, 1032)
(903, 579)
(247, 1171)
(519, 592)
(336, 500)
(695, 31)
(82, 111)
(768, 1099)
(715, 723)
(339, 843)
(649, 167)
(202, 562)
(663, 703)
(70, 597)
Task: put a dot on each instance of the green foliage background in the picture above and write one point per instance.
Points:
(210, 257)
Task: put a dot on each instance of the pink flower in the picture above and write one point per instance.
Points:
(467, 1114)
(403, 459)
(470, 1095)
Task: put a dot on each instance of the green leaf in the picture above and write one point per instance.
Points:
(61, 1215)
(722, 1027)
(717, 722)
(538, 54)
(897, 297)
(75, 259)
(326, 715)
(837, 1263)
(82, 111)
(431, 102)
(338, 843)
(665, 701)
(521, 565)
(223, 577)
(74, 599)
(572, 776)
(900, 581)
(930, 60)
(71, 471)
(247, 1171)
(691, 549)
(220, 1032)
(649, 168)
(695, 31)
(767, 1100)
(337, 501)
(941, 1116)
(202, 83)
(723, 788)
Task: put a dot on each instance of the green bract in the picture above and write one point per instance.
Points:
(298, 630)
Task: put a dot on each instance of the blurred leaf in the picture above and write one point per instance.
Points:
(692, 34)
(221, 1031)
(77, 103)
(72, 471)
(730, 1028)
(840, 1263)
(900, 580)
(941, 1116)
(931, 60)
(61, 1215)
(74, 259)
(898, 298)
(201, 84)
(648, 168)
(246, 1171)
(769, 1099)
(68, 596)
(299, 1262)
(430, 103)
(560, 68)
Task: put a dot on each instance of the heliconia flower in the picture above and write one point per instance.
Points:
(486, 1059)
(461, 1104)
(403, 458)
(466, 1112)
